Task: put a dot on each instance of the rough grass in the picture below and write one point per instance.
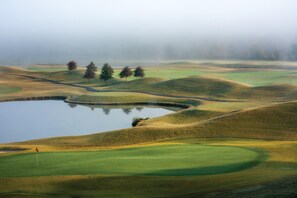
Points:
(209, 88)
(7, 89)
(183, 117)
(190, 86)
(214, 85)
(276, 122)
(198, 86)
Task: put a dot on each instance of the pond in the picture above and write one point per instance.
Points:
(27, 120)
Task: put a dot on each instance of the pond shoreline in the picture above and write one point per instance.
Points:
(67, 99)
(55, 118)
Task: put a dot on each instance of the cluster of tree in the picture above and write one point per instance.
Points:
(127, 72)
(107, 71)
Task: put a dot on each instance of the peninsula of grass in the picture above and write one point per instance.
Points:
(130, 98)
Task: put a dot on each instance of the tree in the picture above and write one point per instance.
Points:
(106, 72)
(126, 72)
(72, 65)
(139, 72)
(90, 71)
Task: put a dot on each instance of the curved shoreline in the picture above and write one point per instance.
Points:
(165, 104)
(36, 98)
(66, 99)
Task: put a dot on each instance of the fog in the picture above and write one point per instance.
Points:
(56, 31)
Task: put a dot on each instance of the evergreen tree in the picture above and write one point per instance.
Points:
(139, 72)
(90, 71)
(126, 72)
(106, 72)
(72, 65)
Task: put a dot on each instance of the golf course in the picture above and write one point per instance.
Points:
(229, 129)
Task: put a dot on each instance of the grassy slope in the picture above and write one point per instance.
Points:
(190, 86)
(273, 122)
(27, 88)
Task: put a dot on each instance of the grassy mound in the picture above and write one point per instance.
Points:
(208, 88)
(190, 86)
(138, 84)
(198, 85)
(186, 159)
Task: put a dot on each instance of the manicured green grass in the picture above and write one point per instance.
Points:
(173, 73)
(185, 159)
(129, 97)
(262, 77)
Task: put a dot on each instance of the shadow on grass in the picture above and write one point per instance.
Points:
(209, 170)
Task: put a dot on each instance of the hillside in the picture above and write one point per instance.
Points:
(276, 122)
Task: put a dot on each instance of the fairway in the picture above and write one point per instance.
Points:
(167, 160)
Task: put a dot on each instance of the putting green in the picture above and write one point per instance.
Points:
(178, 159)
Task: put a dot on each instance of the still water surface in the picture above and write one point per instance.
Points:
(26, 120)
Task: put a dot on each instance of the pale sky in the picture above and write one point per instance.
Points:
(65, 28)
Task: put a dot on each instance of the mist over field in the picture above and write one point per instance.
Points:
(55, 31)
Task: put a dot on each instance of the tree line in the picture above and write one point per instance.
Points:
(107, 71)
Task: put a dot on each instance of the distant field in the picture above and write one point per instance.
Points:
(264, 77)
(255, 73)
(46, 68)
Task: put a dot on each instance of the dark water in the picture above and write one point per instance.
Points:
(26, 120)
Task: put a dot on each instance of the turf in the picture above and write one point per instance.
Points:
(263, 78)
(129, 97)
(7, 89)
(191, 159)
